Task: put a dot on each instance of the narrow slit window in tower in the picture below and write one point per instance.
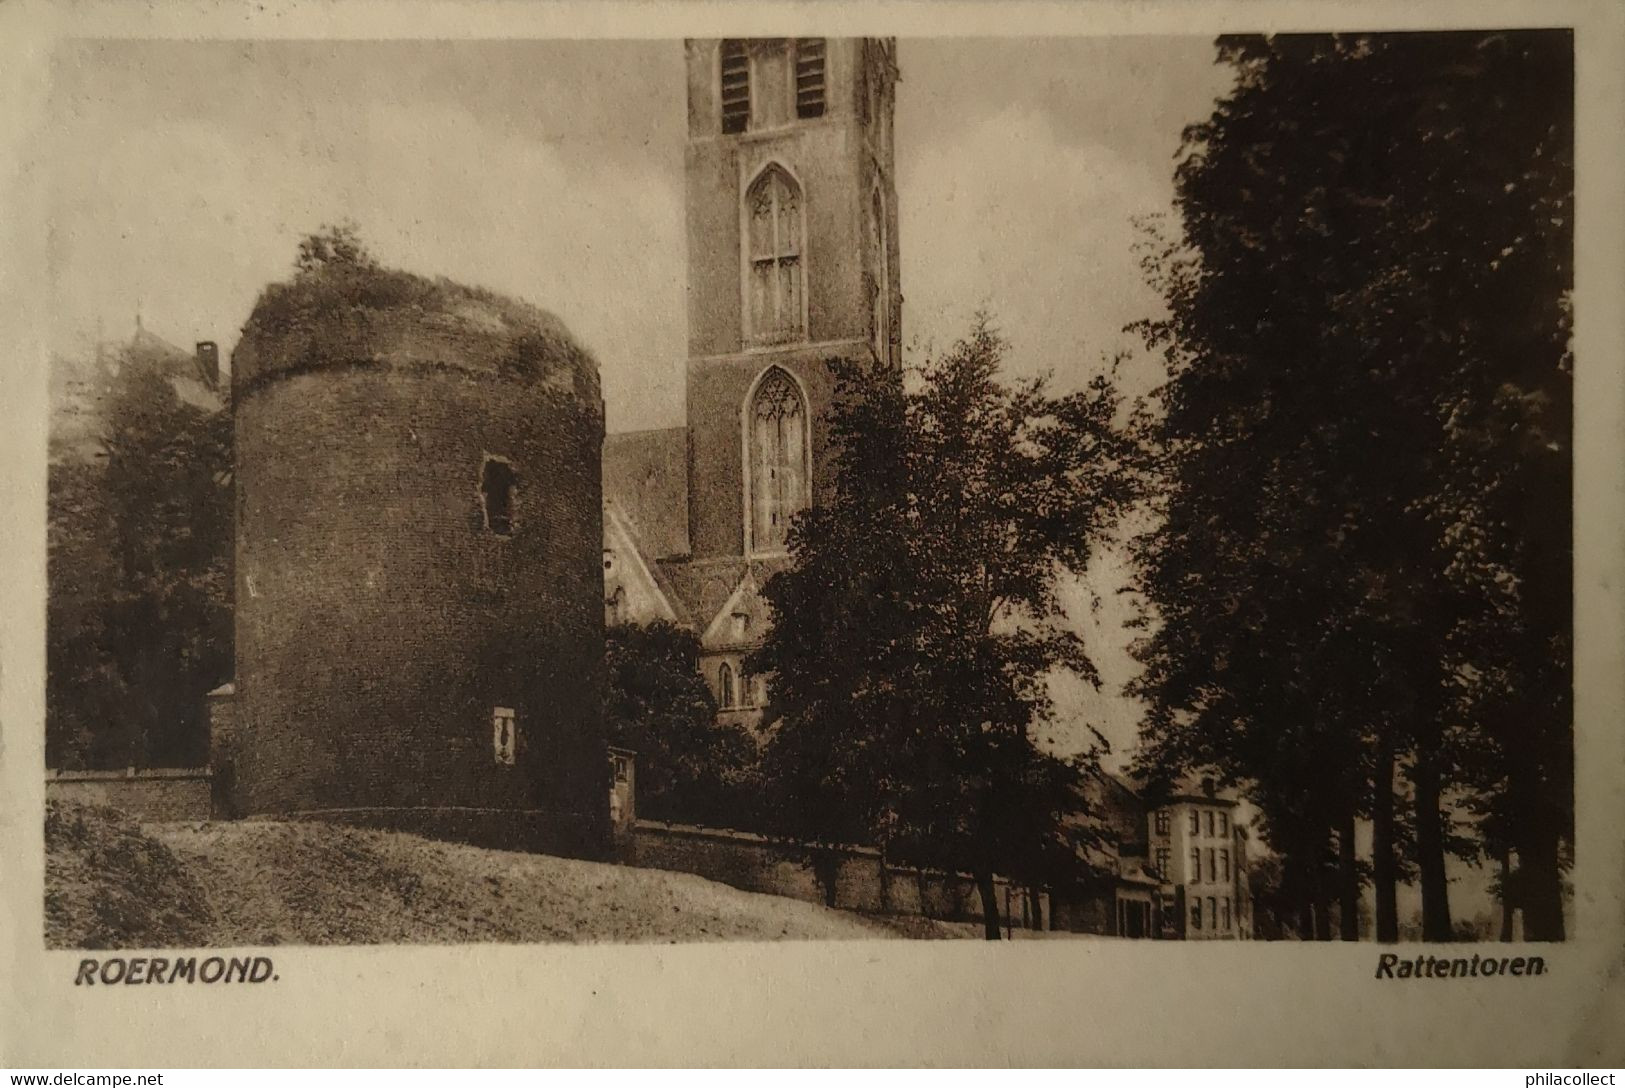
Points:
(497, 495)
(504, 735)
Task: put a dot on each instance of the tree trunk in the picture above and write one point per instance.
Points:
(1506, 896)
(1540, 885)
(1430, 852)
(1348, 882)
(990, 905)
(1306, 915)
(1384, 873)
(1319, 900)
(826, 868)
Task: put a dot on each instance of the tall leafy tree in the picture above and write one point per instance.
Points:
(914, 634)
(691, 768)
(1363, 565)
(139, 618)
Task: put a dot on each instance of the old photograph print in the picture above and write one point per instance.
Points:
(811, 488)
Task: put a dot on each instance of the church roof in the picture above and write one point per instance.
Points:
(81, 387)
(651, 596)
(706, 585)
(1202, 786)
(185, 371)
(646, 477)
(1119, 806)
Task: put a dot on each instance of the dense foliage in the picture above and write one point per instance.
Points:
(139, 613)
(1361, 569)
(914, 635)
(690, 767)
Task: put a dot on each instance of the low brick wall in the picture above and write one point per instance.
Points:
(756, 864)
(154, 795)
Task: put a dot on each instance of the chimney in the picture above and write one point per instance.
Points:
(208, 361)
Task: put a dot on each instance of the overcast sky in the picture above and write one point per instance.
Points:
(186, 172)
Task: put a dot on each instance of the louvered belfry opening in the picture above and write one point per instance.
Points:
(809, 77)
(735, 86)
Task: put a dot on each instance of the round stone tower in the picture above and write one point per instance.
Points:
(419, 613)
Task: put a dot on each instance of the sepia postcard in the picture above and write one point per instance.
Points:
(816, 534)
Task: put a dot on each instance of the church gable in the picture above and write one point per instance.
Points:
(634, 589)
(742, 621)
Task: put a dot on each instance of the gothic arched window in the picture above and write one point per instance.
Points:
(778, 459)
(725, 684)
(776, 271)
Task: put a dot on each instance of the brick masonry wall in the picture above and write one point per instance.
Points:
(149, 795)
(755, 864)
(379, 621)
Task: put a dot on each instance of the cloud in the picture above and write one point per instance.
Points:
(1002, 213)
(188, 208)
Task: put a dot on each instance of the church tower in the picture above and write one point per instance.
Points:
(792, 261)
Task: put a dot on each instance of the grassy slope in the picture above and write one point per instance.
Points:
(111, 882)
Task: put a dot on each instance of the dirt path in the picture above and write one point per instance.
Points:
(297, 883)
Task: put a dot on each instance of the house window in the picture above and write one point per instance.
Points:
(741, 625)
(809, 77)
(615, 607)
(1213, 911)
(1162, 821)
(1164, 857)
(773, 205)
(725, 685)
(735, 86)
(1196, 864)
(1225, 905)
(1196, 822)
(504, 735)
(1210, 823)
(497, 495)
(1196, 914)
(1224, 865)
(1212, 866)
(778, 460)
(1224, 824)
(622, 766)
